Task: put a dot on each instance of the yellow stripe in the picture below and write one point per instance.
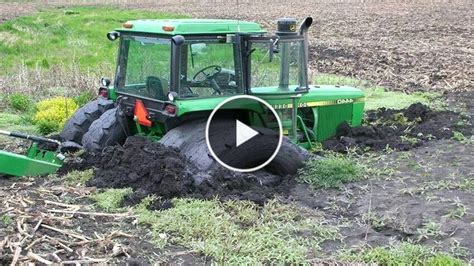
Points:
(320, 103)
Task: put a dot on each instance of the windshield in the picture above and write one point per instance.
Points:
(144, 67)
(282, 69)
(208, 69)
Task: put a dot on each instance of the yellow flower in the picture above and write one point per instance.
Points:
(53, 113)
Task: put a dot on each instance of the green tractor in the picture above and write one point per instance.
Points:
(171, 74)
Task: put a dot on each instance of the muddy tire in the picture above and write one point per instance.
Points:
(108, 130)
(82, 119)
(189, 138)
(289, 159)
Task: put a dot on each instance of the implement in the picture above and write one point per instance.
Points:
(35, 162)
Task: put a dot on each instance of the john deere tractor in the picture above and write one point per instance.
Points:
(171, 74)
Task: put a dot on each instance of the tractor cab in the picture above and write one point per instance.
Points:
(191, 59)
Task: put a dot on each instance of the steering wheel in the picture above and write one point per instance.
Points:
(207, 73)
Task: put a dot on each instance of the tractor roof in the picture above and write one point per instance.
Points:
(190, 26)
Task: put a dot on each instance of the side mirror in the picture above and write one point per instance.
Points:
(197, 48)
(105, 82)
(273, 49)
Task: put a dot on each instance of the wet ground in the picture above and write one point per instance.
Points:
(428, 199)
(400, 129)
(58, 223)
(151, 168)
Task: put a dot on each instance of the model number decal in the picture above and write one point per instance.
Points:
(313, 104)
(289, 105)
(342, 101)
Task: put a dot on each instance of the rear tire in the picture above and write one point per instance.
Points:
(289, 159)
(108, 130)
(82, 119)
(189, 139)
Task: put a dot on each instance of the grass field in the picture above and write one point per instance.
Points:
(392, 207)
(65, 36)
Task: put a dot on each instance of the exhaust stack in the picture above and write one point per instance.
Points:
(285, 27)
(303, 30)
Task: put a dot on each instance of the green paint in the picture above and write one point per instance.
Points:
(193, 26)
(276, 98)
(35, 162)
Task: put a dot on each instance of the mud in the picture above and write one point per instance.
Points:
(399, 129)
(151, 168)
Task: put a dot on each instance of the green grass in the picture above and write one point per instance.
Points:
(10, 120)
(331, 79)
(5, 220)
(430, 229)
(79, 177)
(378, 97)
(331, 171)
(239, 232)
(62, 36)
(111, 199)
(19, 101)
(459, 136)
(400, 254)
(16, 122)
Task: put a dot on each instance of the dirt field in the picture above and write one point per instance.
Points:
(404, 46)
(426, 198)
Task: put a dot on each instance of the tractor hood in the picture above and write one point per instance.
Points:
(323, 95)
(315, 93)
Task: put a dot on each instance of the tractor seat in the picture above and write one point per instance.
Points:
(154, 86)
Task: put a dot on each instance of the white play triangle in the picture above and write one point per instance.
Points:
(243, 133)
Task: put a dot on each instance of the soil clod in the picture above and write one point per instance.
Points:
(398, 129)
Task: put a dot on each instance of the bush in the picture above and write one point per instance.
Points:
(19, 101)
(332, 171)
(84, 97)
(52, 114)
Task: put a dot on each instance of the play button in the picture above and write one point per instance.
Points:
(243, 133)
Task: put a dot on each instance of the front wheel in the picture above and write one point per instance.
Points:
(108, 130)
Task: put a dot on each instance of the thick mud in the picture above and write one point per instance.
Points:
(399, 129)
(151, 168)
